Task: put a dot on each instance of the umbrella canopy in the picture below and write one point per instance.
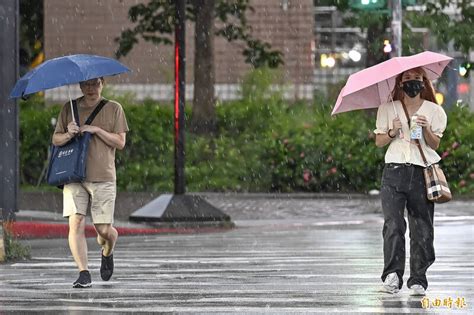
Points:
(64, 71)
(371, 87)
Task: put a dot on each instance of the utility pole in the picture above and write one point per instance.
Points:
(180, 207)
(9, 121)
(396, 6)
(471, 83)
(179, 102)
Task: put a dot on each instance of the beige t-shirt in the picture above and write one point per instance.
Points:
(100, 165)
(403, 150)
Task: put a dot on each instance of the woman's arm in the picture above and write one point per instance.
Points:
(60, 139)
(430, 138)
(115, 140)
(384, 139)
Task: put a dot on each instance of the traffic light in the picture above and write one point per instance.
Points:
(368, 4)
(464, 69)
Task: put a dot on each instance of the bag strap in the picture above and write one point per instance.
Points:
(418, 144)
(97, 109)
(89, 120)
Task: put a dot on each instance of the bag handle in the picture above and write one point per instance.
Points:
(418, 144)
(89, 120)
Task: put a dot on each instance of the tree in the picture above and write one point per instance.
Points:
(154, 23)
(372, 19)
(31, 34)
(204, 118)
(375, 24)
(457, 30)
(444, 27)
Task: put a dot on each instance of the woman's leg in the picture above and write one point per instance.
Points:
(106, 237)
(77, 240)
(393, 198)
(420, 218)
(394, 228)
(102, 210)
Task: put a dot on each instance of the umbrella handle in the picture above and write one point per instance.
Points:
(400, 132)
(70, 103)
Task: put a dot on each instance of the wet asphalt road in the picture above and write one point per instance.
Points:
(279, 259)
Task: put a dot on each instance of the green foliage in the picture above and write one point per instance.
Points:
(457, 150)
(147, 161)
(36, 130)
(31, 32)
(447, 29)
(14, 250)
(263, 144)
(154, 22)
(315, 152)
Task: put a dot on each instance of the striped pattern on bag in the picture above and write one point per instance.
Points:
(437, 188)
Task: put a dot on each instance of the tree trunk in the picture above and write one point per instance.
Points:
(374, 43)
(203, 120)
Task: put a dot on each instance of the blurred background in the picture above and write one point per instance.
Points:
(321, 42)
(267, 74)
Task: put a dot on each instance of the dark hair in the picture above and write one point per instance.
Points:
(101, 80)
(428, 93)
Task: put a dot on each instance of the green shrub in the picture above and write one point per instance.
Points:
(457, 150)
(14, 249)
(263, 144)
(36, 130)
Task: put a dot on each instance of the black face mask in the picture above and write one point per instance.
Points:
(413, 87)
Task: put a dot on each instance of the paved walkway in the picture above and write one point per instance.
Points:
(291, 263)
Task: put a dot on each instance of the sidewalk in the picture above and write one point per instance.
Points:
(244, 209)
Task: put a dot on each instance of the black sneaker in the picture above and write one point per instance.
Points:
(84, 280)
(107, 267)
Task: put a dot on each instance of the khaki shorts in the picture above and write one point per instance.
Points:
(98, 197)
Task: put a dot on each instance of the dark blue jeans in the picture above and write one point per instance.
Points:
(404, 186)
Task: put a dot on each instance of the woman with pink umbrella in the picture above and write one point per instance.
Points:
(410, 122)
(420, 122)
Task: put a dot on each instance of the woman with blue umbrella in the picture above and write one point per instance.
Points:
(107, 128)
(98, 191)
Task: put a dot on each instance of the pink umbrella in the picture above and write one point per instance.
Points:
(371, 87)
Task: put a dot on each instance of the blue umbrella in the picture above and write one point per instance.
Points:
(64, 71)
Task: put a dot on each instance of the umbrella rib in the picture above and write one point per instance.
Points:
(388, 86)
(437, 74)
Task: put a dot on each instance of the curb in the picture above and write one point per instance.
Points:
(38, 229)
(3, 255)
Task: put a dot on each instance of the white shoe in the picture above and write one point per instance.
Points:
(391, 283)
(417, 290)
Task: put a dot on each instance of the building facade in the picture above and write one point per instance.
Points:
(85, 26)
